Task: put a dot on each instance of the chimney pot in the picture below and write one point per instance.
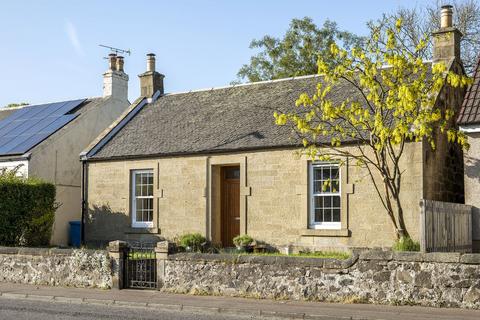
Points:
(112, 61)
(150, 62)
(120, 63)
(446, 20)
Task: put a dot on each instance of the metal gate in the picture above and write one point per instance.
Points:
(141, 266)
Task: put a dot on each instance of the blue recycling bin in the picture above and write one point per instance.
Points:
(75, 233)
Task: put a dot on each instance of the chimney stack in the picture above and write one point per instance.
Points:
(151, 81)
(115, 80)
(446, 41)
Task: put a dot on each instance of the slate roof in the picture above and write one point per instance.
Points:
(470, 110)
(215, 120)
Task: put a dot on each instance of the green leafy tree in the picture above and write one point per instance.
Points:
(295, 54)
(14, 105)
(394, 101)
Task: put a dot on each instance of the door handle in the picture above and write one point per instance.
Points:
(237, 218)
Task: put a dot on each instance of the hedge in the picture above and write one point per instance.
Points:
(27, 211)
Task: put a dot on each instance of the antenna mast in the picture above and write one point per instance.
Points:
(116, 50)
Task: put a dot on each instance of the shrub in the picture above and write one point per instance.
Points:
(243, 240)
(192, 241)
(406, 244)
(27, 210)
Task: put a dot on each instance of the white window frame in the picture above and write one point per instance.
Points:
(312, 224)
(133, 208)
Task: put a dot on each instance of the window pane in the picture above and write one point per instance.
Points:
(144, 178)
(325, 173)
(318, 215)
(318, 202)
(327, 215)
(137, 178)
(150, 178)
(327, 186)
(139, 211)
(336, 215)
(335, 186)
(327, 202)
(150, 190)
(232, 173)
(334, 173)
(317, 173)
(139, 205)
(336, 201)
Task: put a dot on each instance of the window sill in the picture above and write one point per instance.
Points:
(326, 233)
(132, 230)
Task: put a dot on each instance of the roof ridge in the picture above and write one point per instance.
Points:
(263, 82)
(243, 84)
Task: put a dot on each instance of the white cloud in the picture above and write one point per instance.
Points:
(73, 37)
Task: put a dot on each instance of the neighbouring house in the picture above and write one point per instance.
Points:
(469, 121)
(44, 140)
(213, 161)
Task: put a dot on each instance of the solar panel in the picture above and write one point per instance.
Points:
(25, 128)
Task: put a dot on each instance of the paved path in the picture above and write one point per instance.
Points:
(173, 306)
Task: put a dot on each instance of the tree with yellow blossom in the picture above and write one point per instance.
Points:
(395, 102)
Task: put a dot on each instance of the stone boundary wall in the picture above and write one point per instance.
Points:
(385, 277)
(56, 267)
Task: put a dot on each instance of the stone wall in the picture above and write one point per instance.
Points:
(432, 279)
(56, 267)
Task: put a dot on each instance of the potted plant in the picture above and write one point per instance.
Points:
(192, 242)
(243, 243)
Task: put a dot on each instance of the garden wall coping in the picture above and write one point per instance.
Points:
(29, 251)
(329, 263)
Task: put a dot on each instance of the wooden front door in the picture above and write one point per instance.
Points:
(230, 204)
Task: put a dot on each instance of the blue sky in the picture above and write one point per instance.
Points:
(50, 49)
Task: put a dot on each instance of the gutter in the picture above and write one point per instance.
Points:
(470, 128)
(25, 156)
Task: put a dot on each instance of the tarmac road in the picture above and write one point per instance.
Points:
(16, 309)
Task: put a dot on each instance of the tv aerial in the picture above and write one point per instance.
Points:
(116, 50)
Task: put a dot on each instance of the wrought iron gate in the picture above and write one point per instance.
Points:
(141, 266)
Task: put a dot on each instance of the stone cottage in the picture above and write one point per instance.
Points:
(469, 121)
(44, 140)
(213, 161)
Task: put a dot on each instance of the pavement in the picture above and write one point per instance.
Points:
(221, 307)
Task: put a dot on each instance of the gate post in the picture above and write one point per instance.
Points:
(161, 254)
(116, 251)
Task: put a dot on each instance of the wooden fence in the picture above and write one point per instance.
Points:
(445, 227)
